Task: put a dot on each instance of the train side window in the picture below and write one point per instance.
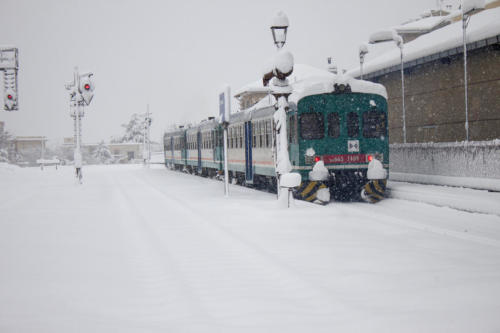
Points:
(254, 141)
(352, 124)
(238, 139)
(269, 132)
(374, 124)
(263, 133)
(333, 125)
(232, 137)
(312, 126)
(242, 135)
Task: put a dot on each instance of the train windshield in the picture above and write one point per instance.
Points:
(312, 126)
(374, 124)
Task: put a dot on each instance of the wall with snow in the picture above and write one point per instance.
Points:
(455, 159)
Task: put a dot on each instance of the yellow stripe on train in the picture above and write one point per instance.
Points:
(308, 191)
(374, 190)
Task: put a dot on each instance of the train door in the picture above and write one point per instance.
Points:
(199, 151)
(172, 148)
(248, 153)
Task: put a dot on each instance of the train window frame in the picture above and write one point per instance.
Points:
(351, 126)
(329, 121)
(376, 133)
(254, 141)
(269, 133)
(319, 132)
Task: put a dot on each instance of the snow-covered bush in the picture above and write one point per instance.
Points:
(134, 130)
(102, 154)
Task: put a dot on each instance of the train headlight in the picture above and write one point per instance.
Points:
(376, 156)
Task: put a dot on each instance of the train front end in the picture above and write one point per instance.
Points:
(340, 141)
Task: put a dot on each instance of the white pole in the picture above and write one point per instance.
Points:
(464, 27)
(144, 152)
(403, 93)
(77, 117)
(361, 61)
(149, 136)
(226, 173)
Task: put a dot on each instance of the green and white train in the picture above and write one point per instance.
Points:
(339, 121)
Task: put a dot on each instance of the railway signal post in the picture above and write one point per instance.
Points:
(9, 65)
(81, 92)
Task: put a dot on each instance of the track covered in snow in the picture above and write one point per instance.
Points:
(139, 249)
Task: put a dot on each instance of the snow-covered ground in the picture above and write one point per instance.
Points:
(150, 250)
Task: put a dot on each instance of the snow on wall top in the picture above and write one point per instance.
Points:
(422, 25)
(469, 5)
(482, 25)
(307, 80)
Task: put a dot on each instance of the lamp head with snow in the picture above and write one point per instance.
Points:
(363, 49)
(385, 36)
(279, 28)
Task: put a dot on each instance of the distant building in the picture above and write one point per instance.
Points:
(124, 152)
(29, 148)
(434, 87)
(250, 94)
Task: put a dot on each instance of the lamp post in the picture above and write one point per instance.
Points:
(386, 36)
(468, 8)
(363, 51)
(282, 68)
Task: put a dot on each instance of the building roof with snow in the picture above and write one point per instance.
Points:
(483, 30)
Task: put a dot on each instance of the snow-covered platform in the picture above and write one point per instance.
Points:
(138, 249)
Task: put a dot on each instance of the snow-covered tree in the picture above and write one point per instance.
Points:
(102, 154)
(5, 138)
(134, 130)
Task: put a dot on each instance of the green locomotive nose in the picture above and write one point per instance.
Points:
(345, 131)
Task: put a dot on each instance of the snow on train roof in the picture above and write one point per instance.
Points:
(483, 25)
(307, 80)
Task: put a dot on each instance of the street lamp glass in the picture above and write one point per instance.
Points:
(279, 35)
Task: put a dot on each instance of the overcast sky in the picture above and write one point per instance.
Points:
(174, 55)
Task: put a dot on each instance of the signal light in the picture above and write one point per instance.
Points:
(370, 158)
(86, 87)
(10, 99)
(317, 159)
